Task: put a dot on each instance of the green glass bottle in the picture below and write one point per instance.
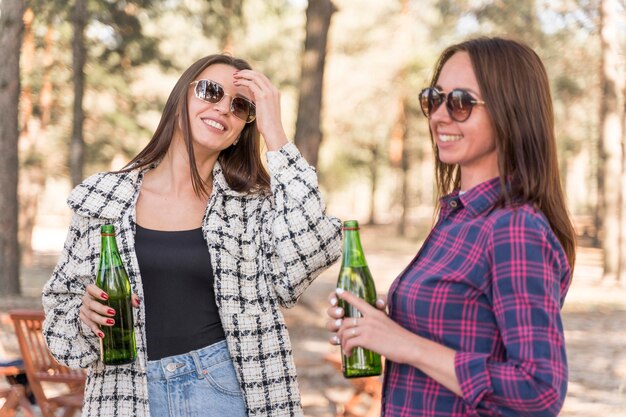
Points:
(355, 277)
(118, 346)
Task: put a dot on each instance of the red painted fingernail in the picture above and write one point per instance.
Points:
(104, 295)
(100, 335)
(110, 321)
(111, 312)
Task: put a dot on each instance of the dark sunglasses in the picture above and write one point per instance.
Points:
(212, 92)
(459, 103)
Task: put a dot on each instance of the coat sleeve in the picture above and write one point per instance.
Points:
(70, 341)
(302, 239)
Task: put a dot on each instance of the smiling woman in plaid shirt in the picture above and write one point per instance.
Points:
(474, 325)
(214, 246)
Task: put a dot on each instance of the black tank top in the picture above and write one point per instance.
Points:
(181, 314)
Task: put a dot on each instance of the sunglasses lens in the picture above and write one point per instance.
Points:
(243, 109)
(430, 100)
(460, 104)
(209, 91)
(212, 92)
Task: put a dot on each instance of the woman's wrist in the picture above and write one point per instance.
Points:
(275, 140)
(411, 353)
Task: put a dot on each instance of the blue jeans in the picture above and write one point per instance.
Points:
(201, 383)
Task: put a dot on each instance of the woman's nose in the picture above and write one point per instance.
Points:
(441, 114)
(223, 106)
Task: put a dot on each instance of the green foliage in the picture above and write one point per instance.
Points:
(117, 38)
(379, 53)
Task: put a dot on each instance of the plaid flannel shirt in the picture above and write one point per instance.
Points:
(265, 251)
(489, 283)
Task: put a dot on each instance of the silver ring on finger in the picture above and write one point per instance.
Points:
(353, 331)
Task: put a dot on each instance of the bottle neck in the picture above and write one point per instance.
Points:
(109, 254)
(352, 251)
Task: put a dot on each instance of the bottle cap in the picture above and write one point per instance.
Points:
(350, 225)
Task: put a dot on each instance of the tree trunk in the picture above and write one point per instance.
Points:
(399, 157)
(232, 18)
(25, 191)
(399, 152)
(33, 138)
(11, 32)
(79, 56)
(374, 168)
(610, 165)
(610, 29)
(308, 137)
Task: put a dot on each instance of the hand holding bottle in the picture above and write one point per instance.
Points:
(94, 314)
(374, 330)
(118, 346)
(337, 314)
(355, 276)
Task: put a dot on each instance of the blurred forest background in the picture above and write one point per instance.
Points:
(83, 83)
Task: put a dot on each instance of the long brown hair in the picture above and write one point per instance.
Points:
(241, 163)
(514, 84)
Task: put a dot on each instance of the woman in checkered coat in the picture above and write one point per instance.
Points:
(214, 246)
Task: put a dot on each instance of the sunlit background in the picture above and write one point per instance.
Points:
(375, 160)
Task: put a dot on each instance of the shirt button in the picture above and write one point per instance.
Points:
(171, 367)
(454, 204)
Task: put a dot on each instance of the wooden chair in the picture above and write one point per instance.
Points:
(369, 389)
(15, 396)
(41, 367)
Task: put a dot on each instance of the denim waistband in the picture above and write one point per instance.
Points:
(195, 361)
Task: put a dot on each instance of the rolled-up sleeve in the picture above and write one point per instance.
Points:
(528, 270)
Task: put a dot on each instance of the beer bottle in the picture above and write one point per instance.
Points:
(355, 277)
(118, 346)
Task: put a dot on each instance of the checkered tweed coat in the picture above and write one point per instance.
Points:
(265, 251)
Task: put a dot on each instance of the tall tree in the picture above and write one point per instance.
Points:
(229, 14)
(612, 142)
(610, 152)
(79, 57)
(399, 155)
(399, 134)
(35, 114)
(308, 137)
(11, 32)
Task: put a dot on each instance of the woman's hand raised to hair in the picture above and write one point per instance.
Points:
(266, 98)
(95, 314)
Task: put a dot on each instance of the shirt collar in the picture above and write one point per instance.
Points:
(476, 200)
